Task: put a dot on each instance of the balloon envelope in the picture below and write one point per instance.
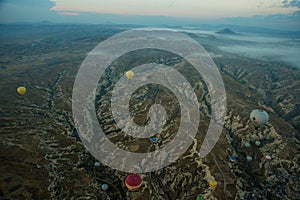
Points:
(104, 186)
(153, 139)
(233, 158)
(21, 90)
(247, 144)
(259, 116)
(257, 143)
(249, 158)
(268, 157)
(129, 74)
(212, 184)
(133, 182)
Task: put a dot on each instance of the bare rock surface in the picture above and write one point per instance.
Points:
(42, 156)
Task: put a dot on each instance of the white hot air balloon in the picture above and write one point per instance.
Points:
(259, 116)
(249, 158)
(268, 157)
(257, 143)
(247, 144)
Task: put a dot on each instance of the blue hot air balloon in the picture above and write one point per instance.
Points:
(153, 139)
(232, 158)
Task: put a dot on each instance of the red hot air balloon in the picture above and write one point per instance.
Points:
(133, 182)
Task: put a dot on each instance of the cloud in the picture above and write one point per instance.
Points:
(69, 13)
(277, 14)
(291, 3)
(26, 11)
(32, 3)
(267, 51)
(211, 9)
(265, 48)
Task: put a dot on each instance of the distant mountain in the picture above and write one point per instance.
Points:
(45, 22)
(249, 29)
(226, 31)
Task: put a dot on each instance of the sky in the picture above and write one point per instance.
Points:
(277, 14)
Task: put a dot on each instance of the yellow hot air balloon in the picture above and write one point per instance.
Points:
(212, 184)
(129, 74)
(21, 90)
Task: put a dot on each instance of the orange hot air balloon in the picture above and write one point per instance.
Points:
(21, 90)
(133, 182)
(129, 74)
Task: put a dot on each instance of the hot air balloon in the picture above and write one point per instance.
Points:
(257, 143)
(97, 164)
(199, 198)
(133, 182)
(259, 116)
(249, 158)
(153, 139)
(212, 184)
(21, 90)
(233, 158)
(104, 187)
(268, 157)
(129, 74)
(247, 144)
